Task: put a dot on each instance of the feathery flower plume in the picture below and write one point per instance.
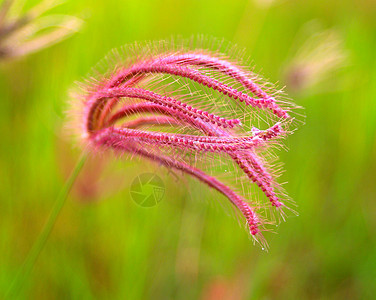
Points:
(319, 57)
(191, 109)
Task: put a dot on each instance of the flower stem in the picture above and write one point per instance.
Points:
(38, 246)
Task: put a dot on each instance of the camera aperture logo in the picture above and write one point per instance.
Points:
(147, 189)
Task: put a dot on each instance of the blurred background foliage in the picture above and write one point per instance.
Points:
(104, 246)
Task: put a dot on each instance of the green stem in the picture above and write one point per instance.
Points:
(38, 246)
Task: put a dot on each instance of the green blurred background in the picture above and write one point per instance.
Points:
(104, 246)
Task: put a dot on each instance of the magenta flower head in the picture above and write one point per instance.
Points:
(195, 110)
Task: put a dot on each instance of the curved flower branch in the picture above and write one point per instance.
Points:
(160, 105)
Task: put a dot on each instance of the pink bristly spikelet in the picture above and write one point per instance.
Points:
(192, 109)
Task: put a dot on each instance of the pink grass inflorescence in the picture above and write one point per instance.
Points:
(193, 110)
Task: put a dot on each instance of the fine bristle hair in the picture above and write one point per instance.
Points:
(194, 106)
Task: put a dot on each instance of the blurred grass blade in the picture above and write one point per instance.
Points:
(4, 8)
(21, 44)
(65, 29)
(37, 248)
(25, 33)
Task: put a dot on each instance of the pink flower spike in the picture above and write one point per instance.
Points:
(97, 99)
(194, 111)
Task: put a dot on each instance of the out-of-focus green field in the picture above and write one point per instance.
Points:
(104, 246)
